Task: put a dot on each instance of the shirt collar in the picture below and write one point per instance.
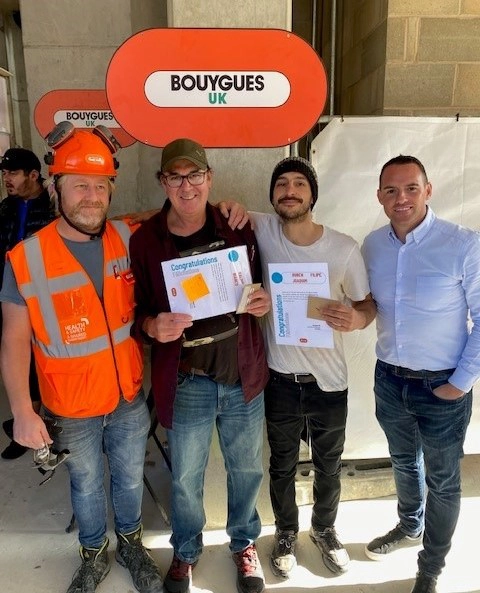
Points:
(419, 231)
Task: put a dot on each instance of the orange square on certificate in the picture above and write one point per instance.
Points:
(195, 287)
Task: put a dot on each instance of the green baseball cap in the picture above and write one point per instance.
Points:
(183, 148)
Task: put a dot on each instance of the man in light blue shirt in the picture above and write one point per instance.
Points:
(425, 278)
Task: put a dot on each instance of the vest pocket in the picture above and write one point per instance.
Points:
(65, 389)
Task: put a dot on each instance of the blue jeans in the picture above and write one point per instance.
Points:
(425, 437)
(122, 436)
(288, 405)
(200, 404)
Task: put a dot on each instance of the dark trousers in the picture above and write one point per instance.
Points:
(288, 405)
(425, 437)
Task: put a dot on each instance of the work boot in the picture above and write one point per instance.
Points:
(131, 554)
(282, 558)
(94, 568)
(334, 555)
(179, 576)
(250, 577)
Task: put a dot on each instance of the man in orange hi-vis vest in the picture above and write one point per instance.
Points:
(68, 297)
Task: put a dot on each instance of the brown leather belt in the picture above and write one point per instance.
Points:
(210, 339)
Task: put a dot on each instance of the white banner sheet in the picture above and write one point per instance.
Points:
(348, 155)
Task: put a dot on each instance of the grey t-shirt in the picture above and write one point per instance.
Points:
(88, 253)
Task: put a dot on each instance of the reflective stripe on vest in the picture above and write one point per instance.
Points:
(58, 348)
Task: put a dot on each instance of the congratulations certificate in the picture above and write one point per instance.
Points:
(207, 284)
(291, 285)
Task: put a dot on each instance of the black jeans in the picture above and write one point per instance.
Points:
(288, 405)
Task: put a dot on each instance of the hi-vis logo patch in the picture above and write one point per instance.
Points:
(223, 87)
(76, 332)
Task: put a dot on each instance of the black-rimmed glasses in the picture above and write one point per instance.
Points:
(194, 178)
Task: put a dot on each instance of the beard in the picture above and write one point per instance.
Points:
(87, 216)
(298, 213)
(22, 191)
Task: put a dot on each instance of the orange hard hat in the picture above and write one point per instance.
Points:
(81, 152)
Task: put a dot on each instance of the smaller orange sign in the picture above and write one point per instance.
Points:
(84, 108)
(222, 87)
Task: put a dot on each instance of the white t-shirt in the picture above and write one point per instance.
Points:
(348, 282)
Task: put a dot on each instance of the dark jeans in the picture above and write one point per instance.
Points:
(288, 405)
(425, 437)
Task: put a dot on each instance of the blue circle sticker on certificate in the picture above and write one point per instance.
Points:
(277, 277)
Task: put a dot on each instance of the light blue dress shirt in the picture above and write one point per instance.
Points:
(425, 290)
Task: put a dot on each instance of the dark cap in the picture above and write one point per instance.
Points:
(296, 164)
(184, 148)
(20, 158)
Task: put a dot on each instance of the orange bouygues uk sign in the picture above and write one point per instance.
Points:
(222, 87)
(83, 108)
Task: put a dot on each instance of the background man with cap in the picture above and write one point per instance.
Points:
(308, 385)
(68, 291)
(206, 373)
(26, 209)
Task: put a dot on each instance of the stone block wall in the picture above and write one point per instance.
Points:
(433, 58)
(361, 39)
(409, 57)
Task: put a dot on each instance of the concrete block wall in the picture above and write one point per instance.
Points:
(394, 57)
(433, 58)
(68, 45)
(409, 57)
(362, 43)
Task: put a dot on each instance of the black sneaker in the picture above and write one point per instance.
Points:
(424, 584)
(250, 577)
(179, 576)
(13, 451)
(94, 568)
(282, 558)
(378, 548)
(8, 428)
(334, 555)
(132, 554)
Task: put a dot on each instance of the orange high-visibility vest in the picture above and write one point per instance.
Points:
(84, 354)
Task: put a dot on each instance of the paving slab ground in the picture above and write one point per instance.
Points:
(38, 556)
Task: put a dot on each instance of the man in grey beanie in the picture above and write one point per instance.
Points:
(308, 384)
